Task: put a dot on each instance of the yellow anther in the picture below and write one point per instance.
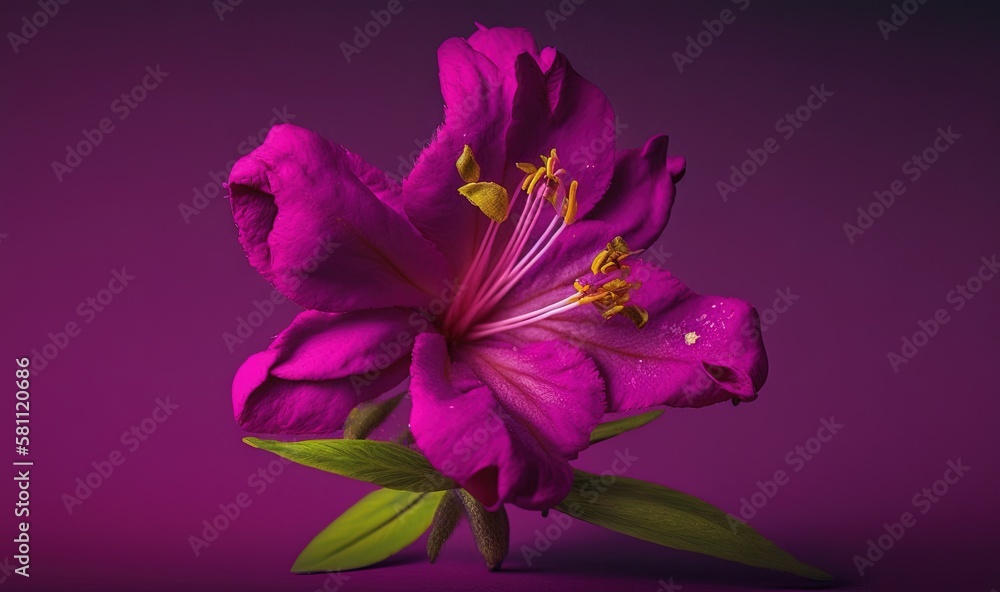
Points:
(609, 267)
(611, 298)
(611, 257)
(593, 298)
(550, 163)
(467, 166)
(569, 216)
(489, 197)
(636, 314)
(619, 245)
(599, 262)
(534, 180)
(612, 311)
(615, 285)
(527, 167)
(526, 182)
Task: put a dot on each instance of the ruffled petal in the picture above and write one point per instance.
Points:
(695, 350)
(387, 189)
(475, 116)
(501, 422)
(316, 231)
(502, 45)
(321, 367)
(637, 205)
(558, 108)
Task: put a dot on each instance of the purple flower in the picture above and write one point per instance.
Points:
(508, 289)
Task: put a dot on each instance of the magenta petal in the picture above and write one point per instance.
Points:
(321, 367)
(500, 447)
(550, 386)
(637, 205)
(560, 109)
(474, 115)
(387, 189)
(316, 231)
(502, 45)
(695, 351)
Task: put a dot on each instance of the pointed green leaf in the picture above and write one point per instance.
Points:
(620, 426)
(382, 463)
(668, 517)
(375, 528)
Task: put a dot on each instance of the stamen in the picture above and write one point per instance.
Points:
(490, 278)
(491, 198)
(612, 256)
(637, 315)
(569, 215)
(467, 166)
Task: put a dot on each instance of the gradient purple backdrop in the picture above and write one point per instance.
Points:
(783, 230)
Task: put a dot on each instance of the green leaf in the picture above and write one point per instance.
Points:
(383, 463)
(620, 426)
(668, 517)
(381, 524)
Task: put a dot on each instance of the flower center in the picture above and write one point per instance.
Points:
(499, 264)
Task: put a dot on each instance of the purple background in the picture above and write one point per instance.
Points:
(783, 230)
